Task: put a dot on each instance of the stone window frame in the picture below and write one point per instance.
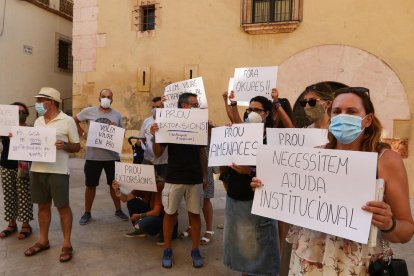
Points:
(137, 18)
(68, 54)
(270, 27)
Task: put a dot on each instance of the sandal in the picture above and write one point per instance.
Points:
(36, 248)
(186, 233)
(8, 231)
(206, 239)
(24, 234)
(66, 254)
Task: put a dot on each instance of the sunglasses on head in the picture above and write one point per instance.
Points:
(311, 102)
(357, 90)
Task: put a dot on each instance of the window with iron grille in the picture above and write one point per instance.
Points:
(271, 11)
(147, 15)
(66, 6)
(64, 55)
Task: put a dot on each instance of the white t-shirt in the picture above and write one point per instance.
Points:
(149, 153)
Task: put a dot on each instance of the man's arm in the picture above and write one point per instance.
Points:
(157, 148)
(68, 147)
(81, 132)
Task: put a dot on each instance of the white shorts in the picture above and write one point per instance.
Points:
(173, 193)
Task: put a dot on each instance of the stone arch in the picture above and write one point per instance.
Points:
(350, 66)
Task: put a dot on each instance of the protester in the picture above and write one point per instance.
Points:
(50, 181)
(186, 175)
(282, 117)
(355, 127)
(98, 159)
(207, 205)
(251, 242)
(16, 186)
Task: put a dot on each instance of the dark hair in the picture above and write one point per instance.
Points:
(184, 98)
(267, 106)
(371, 141)
(106, 89)
(156, 99)
(26, 110)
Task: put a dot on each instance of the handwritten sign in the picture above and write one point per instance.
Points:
(105, 136)
(254, 81)
(182, 126)
(319, 189)
(135, 176)
(9, 117)
(229, 89)
(173, 91)
(297, 137)
(33, 144)
(237, 144)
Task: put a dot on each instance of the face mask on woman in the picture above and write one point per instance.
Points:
(105, 102)
(40, 109)
(254, 117)
(346, 128)
(314, 113)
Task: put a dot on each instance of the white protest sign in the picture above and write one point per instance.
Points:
(229, 89)
(9, 117)
(105, 136)
(135, 176)
(319, 189)
(254, 81)
(173, 91)
(182, 126)
(33, 144)
(236, 144)
(300, 137)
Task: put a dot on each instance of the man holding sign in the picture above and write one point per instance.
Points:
(50, 181)
(186, 175)
(98, 159)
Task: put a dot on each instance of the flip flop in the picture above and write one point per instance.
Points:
(24, 234)
(206, 240)
(36, 248)
(7, 232)
(66, 254)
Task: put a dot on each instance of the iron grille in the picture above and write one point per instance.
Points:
(147, 14)
(268, 11)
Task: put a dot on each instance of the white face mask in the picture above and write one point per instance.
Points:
(254, 117)
(105, 103)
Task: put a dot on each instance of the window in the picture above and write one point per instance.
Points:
(64, 54)
(271, 16)
(147, 14)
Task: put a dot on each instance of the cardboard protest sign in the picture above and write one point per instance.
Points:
(182, 126)
(135, 176)
(236, 144)
(105, 136)
(9, 117)
(174, 90)
(300, 137)
(254, 81)
(319, 189)
(229, 89)
(33, 144)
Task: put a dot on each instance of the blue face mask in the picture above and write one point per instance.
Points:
(40, 109)
(346, 128)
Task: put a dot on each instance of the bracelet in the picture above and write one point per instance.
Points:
(233, 103)
(394, 224)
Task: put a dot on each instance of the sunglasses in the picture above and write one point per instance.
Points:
(257, 110)
(358, 90)
(311, 102)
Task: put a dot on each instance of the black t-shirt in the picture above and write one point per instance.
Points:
(239, 186)
(5, 163)
(184, 165)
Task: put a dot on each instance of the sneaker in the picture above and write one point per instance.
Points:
(85, 219)
(135, 234)
(119, 214)
(167, 258)
(197, 260)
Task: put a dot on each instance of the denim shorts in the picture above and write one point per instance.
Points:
(251, 242)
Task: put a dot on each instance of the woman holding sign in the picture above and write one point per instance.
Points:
(355, 127)
(251, 242)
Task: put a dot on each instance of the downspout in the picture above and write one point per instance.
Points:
(4, 18)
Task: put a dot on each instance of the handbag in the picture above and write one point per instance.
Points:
(388, 266)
